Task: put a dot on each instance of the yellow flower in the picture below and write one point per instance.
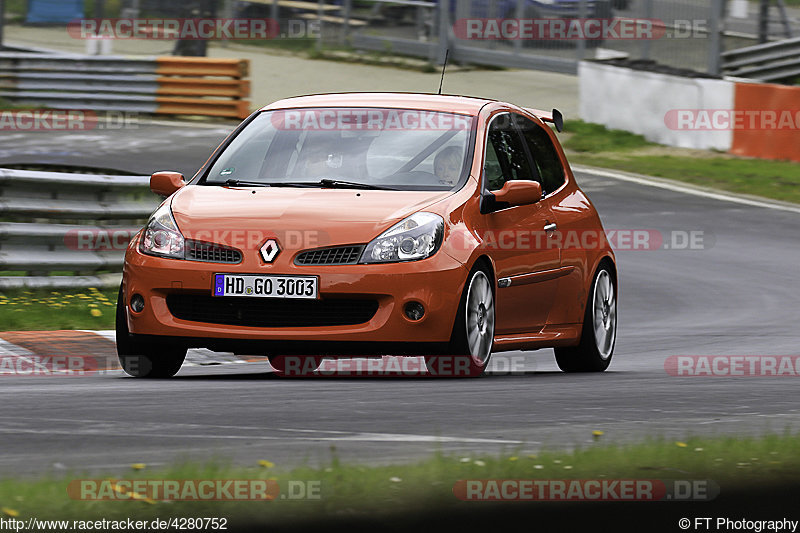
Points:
(266, 464)
(96, 312)
(9, 512)
(514, 458)
(138, 466)
(681, 444)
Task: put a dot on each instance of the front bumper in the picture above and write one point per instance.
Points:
(436, 283)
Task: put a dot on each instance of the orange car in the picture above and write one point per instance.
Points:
(373, 224)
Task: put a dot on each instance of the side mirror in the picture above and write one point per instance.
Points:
(165, 183)
(517, 192)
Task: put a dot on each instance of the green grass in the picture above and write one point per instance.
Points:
(425, 486)
(45, 309)
(587, 137)
(592, 144)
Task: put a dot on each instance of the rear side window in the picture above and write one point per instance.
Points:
(505, 155)
(543, 153)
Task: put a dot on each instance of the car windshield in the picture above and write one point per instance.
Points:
(347, 147)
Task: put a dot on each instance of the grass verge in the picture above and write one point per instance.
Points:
(45, 309)
(594, 145)
(425, 487)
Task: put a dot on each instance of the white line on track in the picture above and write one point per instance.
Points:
(685, 188)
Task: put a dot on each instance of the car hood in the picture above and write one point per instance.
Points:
(299, 217)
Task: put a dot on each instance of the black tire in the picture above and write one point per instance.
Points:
(587, 356)
(298, 365)
(142, 359)
(462, 362)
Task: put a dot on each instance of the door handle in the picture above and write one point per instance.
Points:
(550, 226)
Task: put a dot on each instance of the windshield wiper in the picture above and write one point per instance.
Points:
(243, 183)
(339, 184)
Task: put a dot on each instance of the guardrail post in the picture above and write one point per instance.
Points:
(519, 12)
(715, 33)
(444, 30)
(648, 14)
(580, 49)
(348, 8)
(2, 20)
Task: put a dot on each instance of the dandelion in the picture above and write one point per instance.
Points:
(96, 312)
(681, 444)
(513, 458)
(138, 466)
(9, 512)
(266, 464)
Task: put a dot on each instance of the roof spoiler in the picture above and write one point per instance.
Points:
(554, 117)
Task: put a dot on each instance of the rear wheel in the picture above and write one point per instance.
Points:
(294, 365)
(142, 359)
(473, 333)
(599, 333)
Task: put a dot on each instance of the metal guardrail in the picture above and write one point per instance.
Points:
(779, 60)
(58, 222)
(155, 85)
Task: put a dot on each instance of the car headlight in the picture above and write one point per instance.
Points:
(161, 235)
(416, 237)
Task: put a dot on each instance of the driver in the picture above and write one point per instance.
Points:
(447, 165)
(322, 159)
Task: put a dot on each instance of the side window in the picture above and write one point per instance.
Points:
(505, 154)
(544, 154)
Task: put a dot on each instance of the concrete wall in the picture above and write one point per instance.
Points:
(744, 118)
(647, 103)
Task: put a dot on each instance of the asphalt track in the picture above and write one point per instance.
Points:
(736, 295)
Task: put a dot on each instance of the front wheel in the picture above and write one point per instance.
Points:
(473, 333)
(142, 359)
(599, 333)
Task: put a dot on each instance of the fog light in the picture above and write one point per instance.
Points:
(414, 310)
(137, 303)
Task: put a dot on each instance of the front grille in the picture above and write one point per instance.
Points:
(270, 313)
(211, 253)
(340, 255)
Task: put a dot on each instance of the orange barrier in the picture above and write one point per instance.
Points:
(202, 66)
(203, 87)
(192, 86)
(774, 131)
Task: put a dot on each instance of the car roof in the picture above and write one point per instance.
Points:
(466, 105)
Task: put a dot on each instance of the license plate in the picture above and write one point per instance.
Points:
(265, 286)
